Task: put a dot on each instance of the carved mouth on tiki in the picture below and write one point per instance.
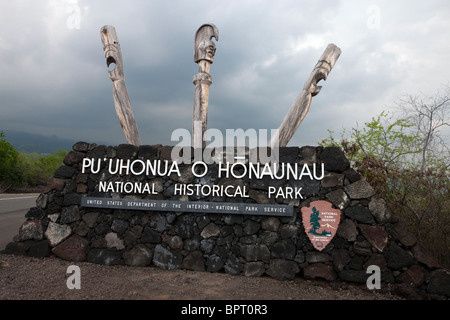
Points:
(111, 63)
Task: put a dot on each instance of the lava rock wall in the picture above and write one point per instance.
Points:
(236, 244)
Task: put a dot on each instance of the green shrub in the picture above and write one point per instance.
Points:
(19, 169)
(385, 153)
(10, 173)
(419, 198)
(38, 169)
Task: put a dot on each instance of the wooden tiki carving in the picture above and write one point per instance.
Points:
(113, 55)
(204, 51)
(301, 105)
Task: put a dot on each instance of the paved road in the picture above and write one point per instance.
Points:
(13, 208)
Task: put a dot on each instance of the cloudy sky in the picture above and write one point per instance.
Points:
(54, 79)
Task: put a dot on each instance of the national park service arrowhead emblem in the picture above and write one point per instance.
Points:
(321, 222)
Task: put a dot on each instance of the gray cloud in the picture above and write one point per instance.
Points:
(54, 78)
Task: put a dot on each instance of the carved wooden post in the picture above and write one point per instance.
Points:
(204, 50)
(113, 55)
(301, 105)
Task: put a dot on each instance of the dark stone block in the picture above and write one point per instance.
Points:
(360, 214)
(362, 247)
(284, 249)
(147, 152)
(150, 236)
(340, 258)
(211, 230)
(207, 246)
(165, 258)
(360, 189)
(186, 226)
(233, 266)
(39, 249)
(31, 229)
(194, 261)
(99, 152)
(352, 175)
(69, 214)
(254, 269)
(400, 232)
(317, 257)
(309, 154)
(356, 263)
(358, 276)
(288, 154)
(439, 283)
(105, 257)
(191, 244)
(214, 263)
(226, 231)
(288, 231)
(334, 159)
(81, 146)
(303, 242)
(166, 152)
(423, 256)
(72, 249)
(283, 269)
(119, 226)
(347, 230)
(376, 235)
(299, 256)
(90, 218)
(139, 256)
(127, 151)
(132, 235)
(17, 248)
(92, 190)
(255, 252)
(65, 172)
(71, 199)
(222, 251)
(251, 227)
(73, 158)
(122, 214)
(378, 260)
(232, 219)
(413, 276)
(408, 292)
(70, 186)
(102, 228)
(53, 208)
(309, 187)
(35, 213)
(397, 257)
(170, 217)
(55, 184)
(319, 270)
(174, 242)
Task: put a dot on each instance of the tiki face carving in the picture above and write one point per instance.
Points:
(322, 69)
(204, 48)
(113, 54)
(206, 51)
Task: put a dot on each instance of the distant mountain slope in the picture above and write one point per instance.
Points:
(28, 142)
